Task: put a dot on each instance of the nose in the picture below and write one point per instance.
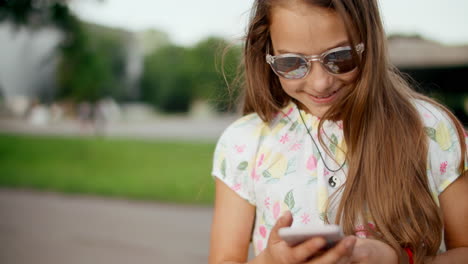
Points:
(318, 79)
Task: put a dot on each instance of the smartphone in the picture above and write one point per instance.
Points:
(296, 235)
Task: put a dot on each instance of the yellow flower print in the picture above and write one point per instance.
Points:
(322, 199)
(444, 184)
(341, 152)
(442, 136)
(271, 164)
(435, 196)
(279, 166)
(278, 127)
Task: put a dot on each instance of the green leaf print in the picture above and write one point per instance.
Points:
(272, 180)
(316, 153)
(291, 168)
(295, 211)
(322, 216)
(266, 174)
(313, 180)
(289, 199)
(293, 126)
(284, 121)
(223, 168)
(267, 224)
(243, 165)
(431, 132)
(333, 143)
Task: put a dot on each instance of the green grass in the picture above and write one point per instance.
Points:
(148, 170)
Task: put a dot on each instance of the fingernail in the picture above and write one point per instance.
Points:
(320, 242)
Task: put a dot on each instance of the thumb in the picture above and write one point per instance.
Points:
(284, 221)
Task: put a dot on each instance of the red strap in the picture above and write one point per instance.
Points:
(410, 255)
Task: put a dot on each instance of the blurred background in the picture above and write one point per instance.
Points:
(110, 111)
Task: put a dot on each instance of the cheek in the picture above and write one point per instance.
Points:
(348, 78)
(291, 87)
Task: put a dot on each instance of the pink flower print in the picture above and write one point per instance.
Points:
(262, 230)
(296, 146)
(284, 138)
(288, 113)
(254, 175)
(340, 125)
(326, 172)
(236, 187)
(276, 210)
(305, 218)
(259, 246)
(312, 163)
(260, 161)
(427, 116)
(267, 203)
(443, 167)
(240, 149)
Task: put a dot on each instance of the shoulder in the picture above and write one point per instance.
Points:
(244, 129)
(431, 113)
(252, 129)
(242, 139)
(439, 127)
(445, 145)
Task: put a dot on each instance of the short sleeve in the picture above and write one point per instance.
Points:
(444, 153)
(235, 155)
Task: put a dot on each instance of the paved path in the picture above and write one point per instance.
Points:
(47, 228)
(163, 128)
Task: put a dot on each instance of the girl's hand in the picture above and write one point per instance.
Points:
(369, 251)
(278, 252)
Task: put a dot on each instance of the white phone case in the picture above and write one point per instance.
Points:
(296, 235)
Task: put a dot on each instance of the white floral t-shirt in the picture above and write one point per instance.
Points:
(277, 167)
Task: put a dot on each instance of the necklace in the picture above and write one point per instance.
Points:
(318, 149)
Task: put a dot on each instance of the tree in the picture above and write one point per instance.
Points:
(175, 76)
(92, 64)
(35, 13)
(166, 81)
(214, 66)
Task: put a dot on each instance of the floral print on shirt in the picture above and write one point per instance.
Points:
(277, 167)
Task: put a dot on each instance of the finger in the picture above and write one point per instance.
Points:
(308, 248)
(341, 251)
(345, 260)
(284, 221)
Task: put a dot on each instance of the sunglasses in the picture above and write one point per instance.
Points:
(296, 66)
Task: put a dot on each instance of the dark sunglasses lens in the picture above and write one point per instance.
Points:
(340, 61)
(290, 67)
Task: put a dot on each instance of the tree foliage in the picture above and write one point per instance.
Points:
(92, 61)
(176, 76)
(92, 64)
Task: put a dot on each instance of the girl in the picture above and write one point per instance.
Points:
(333, 134)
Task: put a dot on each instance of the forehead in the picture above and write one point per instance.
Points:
(306, 29)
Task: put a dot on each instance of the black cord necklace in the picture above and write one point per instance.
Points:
(318, 149)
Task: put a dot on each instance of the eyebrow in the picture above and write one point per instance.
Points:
(340, 44)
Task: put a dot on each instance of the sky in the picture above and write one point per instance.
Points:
(189, 21)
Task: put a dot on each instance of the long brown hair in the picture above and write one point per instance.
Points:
(387, 180)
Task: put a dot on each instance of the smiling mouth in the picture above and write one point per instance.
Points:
(325, 96)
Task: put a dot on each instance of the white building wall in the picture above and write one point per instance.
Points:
(27, 61)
